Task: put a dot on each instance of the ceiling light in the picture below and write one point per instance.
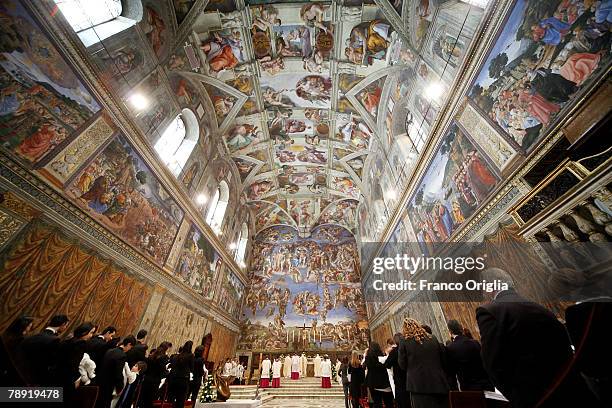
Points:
(232, 246)
(201, 199)
(434, 91)
(138, 101)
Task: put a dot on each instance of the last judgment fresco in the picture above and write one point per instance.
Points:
(305, 292)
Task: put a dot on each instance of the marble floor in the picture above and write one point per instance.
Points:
(305, 403)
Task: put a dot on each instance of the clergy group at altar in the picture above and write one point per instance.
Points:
(296, 366)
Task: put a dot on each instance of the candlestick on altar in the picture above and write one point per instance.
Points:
(293, 336)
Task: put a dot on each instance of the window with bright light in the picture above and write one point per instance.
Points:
(84, 14)
(217, 207)
(243, 240)
(178, 141)
(414, 131)
(97, 20)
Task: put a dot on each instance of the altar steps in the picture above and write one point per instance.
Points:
(304, 388)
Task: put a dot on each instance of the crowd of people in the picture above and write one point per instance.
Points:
(234, 368)
(526, 353)
(97, 368)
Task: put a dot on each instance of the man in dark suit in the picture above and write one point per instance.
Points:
(40, 352)
(98, 345)
(111, 372)
(139, 351)
(422, 356)
(464, 361)
(588, 326)
(402, 397)
(525, 349)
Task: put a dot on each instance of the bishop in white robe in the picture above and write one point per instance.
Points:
(295, 367)
(317, 366)
(287, 367)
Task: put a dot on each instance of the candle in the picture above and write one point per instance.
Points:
(320, 336)
(287, 336)
(293, 336)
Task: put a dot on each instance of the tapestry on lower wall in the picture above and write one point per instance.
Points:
(223, 343)
(176, 323)
(44, 272)
(305, 292)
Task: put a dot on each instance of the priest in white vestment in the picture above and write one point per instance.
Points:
(295, 367)
(276, 372)
(287, 367)
(304, 365)
(317, 366)
(266, 365)
(326, 371)
(227, 368)
(338, 364)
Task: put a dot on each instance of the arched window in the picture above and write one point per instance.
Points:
(243, 239)
(98, 20)
(217, 207)
(178, 141)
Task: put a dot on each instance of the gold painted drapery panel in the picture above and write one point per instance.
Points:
(223, 344)
(381, 333)
(45, 273)
(176, 323)
(507, 250)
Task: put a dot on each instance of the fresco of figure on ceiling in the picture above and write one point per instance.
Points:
(310, 155)
(242, 135)
(259, 188)
(312, 14)
(314, 88)
(223, 50)
(155, 29)
(368, 41)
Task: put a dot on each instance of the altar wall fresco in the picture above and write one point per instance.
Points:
(297, 282)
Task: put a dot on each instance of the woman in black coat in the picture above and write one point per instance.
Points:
(422, 356)
(198, 373)
(357, 373)
(12, 365)
(156, 370)
(377, 378)
(181, 366)
(71, 353)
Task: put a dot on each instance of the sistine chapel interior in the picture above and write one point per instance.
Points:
(287, 184)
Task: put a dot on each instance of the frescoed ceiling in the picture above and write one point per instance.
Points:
(303, 94)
